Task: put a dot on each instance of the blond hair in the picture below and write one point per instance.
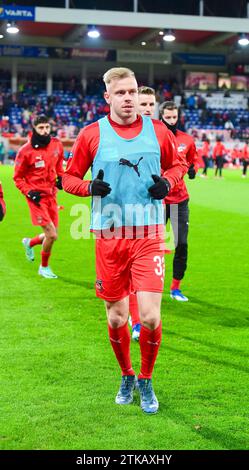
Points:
(117, 73)
(146, 90)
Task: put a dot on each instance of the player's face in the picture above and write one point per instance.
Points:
(43, 128)
(146, 104)
(122, 96)
(170, 116)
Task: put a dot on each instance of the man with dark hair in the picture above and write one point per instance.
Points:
(178, 197)
(38, 174)
(2, 204)
(146, 101)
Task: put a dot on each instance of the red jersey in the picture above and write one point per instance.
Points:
(187, 149)
(235, 153)
(219, 150)
(205, 149)
(2, 204)
(86, 146)
(37, 169)
(245, 153)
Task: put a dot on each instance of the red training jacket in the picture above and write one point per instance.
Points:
(245, 153)
(187, 149)
(219, 150)
(2, 203)
(205, 149)
(37, 169)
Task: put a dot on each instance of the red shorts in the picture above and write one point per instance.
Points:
(124, 266)
(46, 212)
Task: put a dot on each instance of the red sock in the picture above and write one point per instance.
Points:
(175, 284)
(120, 340)
(35, 241)
(149, 345)
(133, 309)
(45, 258)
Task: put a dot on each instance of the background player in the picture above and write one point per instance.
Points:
(205, 152)
(146, 106)
(146, 101)
(136, 260)
(245, 159)
(179, 197)
(2, 204)
(219, 151)
(38, 172)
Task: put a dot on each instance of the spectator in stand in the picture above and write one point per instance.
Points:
(191, 102)
(205, 152)
(219, 151)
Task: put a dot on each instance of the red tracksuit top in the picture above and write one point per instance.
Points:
(86, 146)
(219, 150)
(37, 169)
(2, 200)
(245, 153)
(205, 149)
(187, 149)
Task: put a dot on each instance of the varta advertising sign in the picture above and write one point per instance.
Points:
(17, 13)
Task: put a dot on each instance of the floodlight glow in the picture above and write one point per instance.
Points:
(93, 33)
(243, 40)
(169, 36)
(12, 28)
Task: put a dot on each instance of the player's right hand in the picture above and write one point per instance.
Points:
(98, 187)
(35, 196)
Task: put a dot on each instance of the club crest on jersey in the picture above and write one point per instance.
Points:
(40, 164)
(181, 147)
(99, 285)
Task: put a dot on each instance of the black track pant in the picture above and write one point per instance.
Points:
(179, 221)
(205, 161)
(219, 165)
(245, 165)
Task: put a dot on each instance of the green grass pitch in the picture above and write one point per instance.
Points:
(58, 373)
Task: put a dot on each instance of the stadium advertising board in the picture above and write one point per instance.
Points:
(200, 81)
(147, 57)
(239, 82)
(17, 13)
(57, 53)
(199, 59)
(236, 101)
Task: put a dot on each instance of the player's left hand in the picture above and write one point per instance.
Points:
(191, 172)
(58, 182)
(2, 211)
(160, 189)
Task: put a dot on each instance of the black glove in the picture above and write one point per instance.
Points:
(1, 212)
(98, 187)
(191, 172)
(160, 189)
(58, 182)
(35, 196)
